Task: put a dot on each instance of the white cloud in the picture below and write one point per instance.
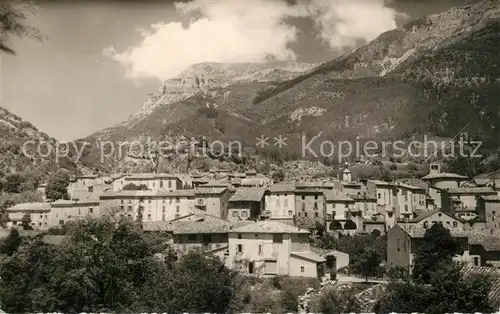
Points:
(248, 31)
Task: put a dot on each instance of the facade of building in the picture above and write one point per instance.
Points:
(154, 206)
(63, 211)
(280, 202)
(273, 248)
(214, 201)
(154, 182)
(246, 203)
(38, 212)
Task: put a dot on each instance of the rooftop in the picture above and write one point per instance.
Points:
(335, 196)
(268, 227)
(248, 195)
(40, 206)
(444, 175)
(472, 190)
(160, 193)
(309, 255)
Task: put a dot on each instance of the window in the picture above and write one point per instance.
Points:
(163, 209)
(260, 250)
(316, 214)
(455, 224)
(177, 209)
(169, 184)
(192, 237)
(149, 216)
(305, 214)
(398, 245)
(303, 207)
(177, 200)
(161, 183)
(406, 198)
(346, 205)
(277, 238)
(289, 213)
(121, 201)
(207, 238)
(379, 195)
(406, 208)
(302, 269)
(303, 197)
(426, 224)
(79, 212)
(239, 236)
(235, 213)
(315, 206)
(315, 197)
(91, 210)
(41, 216)
(129, 208)
(240, 248)
(244, 213)
(61, 222)
(130, 201)
(149, 201)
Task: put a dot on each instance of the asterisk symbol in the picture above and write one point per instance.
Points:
(262, 141)
(280, 141)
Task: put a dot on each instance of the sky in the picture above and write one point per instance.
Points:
(100, 59)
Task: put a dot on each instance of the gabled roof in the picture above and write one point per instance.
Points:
(420, 232)
(248, 195)
(444, 175)
(380, 182)
(37, 206)
(472, 190)
(210, 190)
(284, 187)
(490, 242)
(494, 275)
(147, 193)
(491, 198)
(309, 255)
(267, 226)
(335, 196)
(426, 214)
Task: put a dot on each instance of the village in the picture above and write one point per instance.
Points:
(262, 227)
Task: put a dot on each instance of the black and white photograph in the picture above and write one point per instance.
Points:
(250, 156)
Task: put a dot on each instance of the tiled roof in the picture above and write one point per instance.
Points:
(494, 275)
(420, 232)
(90, 200)
(312, 184)
(160, 193)
(210, 190)
(426, 214)
(30, 206)
(409, 187)
(472, 190)
(248, 194)
(490, 242)
(145, 176)
(309, 255)
(379, 182)
(366, 197)
(268, 227)
(285, 187)
(444, 175)
(335, 196)
(491, 198)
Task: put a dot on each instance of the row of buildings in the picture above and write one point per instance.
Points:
(211, 211)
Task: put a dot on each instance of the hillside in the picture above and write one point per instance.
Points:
(14, 133)
(438, 75)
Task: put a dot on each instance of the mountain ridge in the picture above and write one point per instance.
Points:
(412, 80)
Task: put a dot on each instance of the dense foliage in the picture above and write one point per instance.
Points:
(57, 186)
(437, 247)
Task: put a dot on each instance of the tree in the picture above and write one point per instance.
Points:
(368, 264)
(11, 243)
(12, 23)
(57, 186)
(278, 176)
(334, 300)
(448, 291)
(26, 222)
(436, 247)
(13, 183)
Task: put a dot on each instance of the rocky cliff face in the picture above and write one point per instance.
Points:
(203, 78)
(432, 76)
(19, 151)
